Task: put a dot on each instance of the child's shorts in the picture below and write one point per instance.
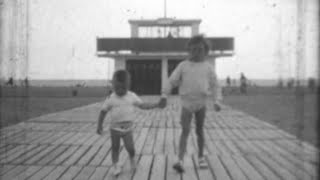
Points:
(193, 104)
(123, 127)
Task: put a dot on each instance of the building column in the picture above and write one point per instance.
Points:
(134, 30)
(194, 29)
(213, 63)
(119, 63)
(164, 71)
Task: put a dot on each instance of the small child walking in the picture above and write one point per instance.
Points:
(197, 82)
(121, 105)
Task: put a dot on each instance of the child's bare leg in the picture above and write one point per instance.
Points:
(129, 144)
(186, 117)
(199, 120)
(115, 146)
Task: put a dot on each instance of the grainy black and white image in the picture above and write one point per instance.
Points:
(159, 90)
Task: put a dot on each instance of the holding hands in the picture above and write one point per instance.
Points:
(162, 102)
(217, 107)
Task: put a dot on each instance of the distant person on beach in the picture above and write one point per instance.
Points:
(243, 84)
(228, 81)
(10, 82)
(121, 105)
(197, 82)
(26, 82)
(109, 88)
(312, 84)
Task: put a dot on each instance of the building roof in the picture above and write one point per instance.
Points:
(165, 22)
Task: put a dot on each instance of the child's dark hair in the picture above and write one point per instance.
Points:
(199, 39)
(121, 76)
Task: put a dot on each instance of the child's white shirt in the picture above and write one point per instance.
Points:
(195, 80)
(121, 109)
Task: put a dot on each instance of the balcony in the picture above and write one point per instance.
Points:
(162, 45)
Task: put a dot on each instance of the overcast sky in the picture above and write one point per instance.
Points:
(63, 34)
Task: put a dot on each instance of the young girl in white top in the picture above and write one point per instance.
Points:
(197, 82)
(120, 105)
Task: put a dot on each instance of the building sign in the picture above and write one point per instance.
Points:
(165, 21)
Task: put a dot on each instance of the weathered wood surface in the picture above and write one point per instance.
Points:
(64, 145)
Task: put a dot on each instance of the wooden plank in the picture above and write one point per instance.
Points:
(169, 142)
(17, 138)
(22, 149)
(85, 173)
(239, 134)
(40, 155)
(31, 170)
(284, 163)
(217, 168)
(250, 171)
(191, 145)
(7, 149)
(245, 148)
(85, 127)
(63, 139)
(158, 167)
(300, 163)
(155, 122)
(295, 148)
(108, 159)
(71, 139)
(177, 134)
(89, 155)
(52, 138)
(169, 123)
(52, 155)
(159, 142)
(103, 140)
(141, 140)
(43, 172)
(62, 157)
(143, 167)
(162, 120)
(63, 135)
(71, 173)
(92, 140)
(279, 170)
(189, 173)
(5, 168)
(232, 147)
(148, 146)
(45, 135)
(295, 170)
(262, 168)
(194, 141)
(148, 122)
(99, 173)
(56, 173)
(203, 173)
(209, 142)
(170, 172)
(83, 138)
(220, 145)
(14, 172)
(97, 160)
(9, 153)
(232, 168)
(29, 154)
(76, 155)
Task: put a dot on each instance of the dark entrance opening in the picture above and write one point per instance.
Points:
(172, 64)
(145, 76)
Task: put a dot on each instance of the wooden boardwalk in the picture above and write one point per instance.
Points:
(238, 146)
